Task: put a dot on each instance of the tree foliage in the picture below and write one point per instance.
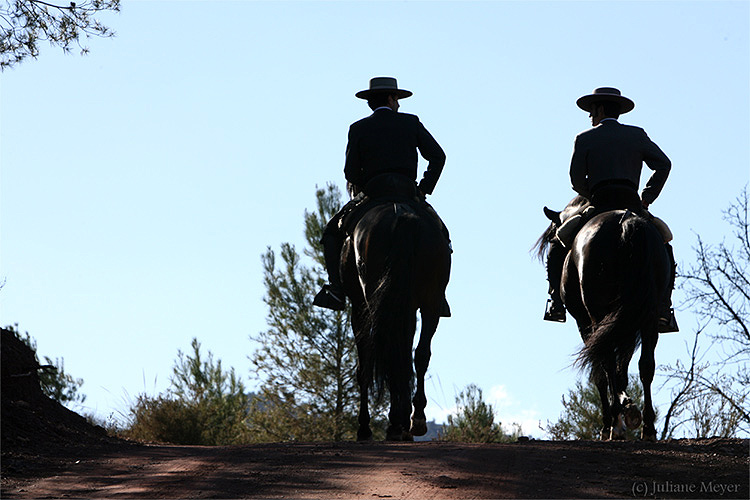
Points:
(55, 382)
(711, 392)
(306, 360)
(25, 23)
(474, 421)
(582, 414)
(204, 405)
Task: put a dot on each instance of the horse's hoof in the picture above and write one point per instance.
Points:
(393, 435)
(618, 431)
(617, 436)
(633, 417)
(649, 435)
(398, 435)
(364, 436)
(418, 427)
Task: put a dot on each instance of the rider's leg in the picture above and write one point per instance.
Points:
(667, 320)
(555, 310)
(332, 295)
(443, 227)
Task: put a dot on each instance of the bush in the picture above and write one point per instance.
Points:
(205, 405)
(474, 421)
(164, 420)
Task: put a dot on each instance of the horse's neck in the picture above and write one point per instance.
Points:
(575, 207)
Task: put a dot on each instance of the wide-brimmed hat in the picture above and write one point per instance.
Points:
(606, 94)
(383, 84)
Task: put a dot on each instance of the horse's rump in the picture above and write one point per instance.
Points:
(401, 257)
(621, 274)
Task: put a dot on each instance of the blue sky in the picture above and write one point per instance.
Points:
(140, 184)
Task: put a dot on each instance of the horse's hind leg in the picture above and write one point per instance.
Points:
(364, 373)
(647, 366)
(599, 378)
(617, 391)
(421, 362)
(398, 416)
(630, 412)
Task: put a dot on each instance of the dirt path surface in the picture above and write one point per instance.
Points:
(716, 468)
(49, 451)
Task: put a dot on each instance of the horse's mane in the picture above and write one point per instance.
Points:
(542, 244)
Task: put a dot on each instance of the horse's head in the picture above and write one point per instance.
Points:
(576, 205)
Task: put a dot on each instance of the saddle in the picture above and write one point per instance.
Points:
(385, 188)
(362, 203)
(569, 228)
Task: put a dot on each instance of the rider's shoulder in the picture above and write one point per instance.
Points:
(633, 128)
(407, 116)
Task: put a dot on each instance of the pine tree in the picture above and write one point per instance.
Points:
(25, 23)
(582, 415)
(55, 382)
(204, 405)
(474, 421)
(306, 360)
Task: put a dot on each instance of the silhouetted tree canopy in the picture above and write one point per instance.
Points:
(26, 23)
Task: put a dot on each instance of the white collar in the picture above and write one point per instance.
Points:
(608, 119)
(381, 107)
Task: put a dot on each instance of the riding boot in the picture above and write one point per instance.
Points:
(555, 310)
(443, 227)
(332, 296)
(667, 320)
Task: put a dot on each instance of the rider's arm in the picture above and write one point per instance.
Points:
(352, 167)
(657, 161)
(579, 170)
(434, 154)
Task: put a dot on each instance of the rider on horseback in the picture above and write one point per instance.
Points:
(606, 169)
(381, 161)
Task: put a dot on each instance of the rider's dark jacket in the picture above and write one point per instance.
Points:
(387, 142)
(613, 152)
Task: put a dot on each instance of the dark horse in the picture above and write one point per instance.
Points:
(396, 261)
(614, 277)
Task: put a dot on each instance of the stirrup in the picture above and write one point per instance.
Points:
(327, 298)
(445, 310)
(554, 312)
(668, 324)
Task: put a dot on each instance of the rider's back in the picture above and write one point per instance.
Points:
(387, 142)
(613, 151)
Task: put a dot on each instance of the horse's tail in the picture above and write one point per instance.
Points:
(392, 318)
(619, 332)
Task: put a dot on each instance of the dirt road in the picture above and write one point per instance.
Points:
(534, 469)
(49, 451)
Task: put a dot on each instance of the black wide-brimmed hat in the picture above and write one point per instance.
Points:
(605, 94)
(383, 84)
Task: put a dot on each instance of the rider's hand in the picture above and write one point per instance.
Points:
(645, 205)
(421, 194)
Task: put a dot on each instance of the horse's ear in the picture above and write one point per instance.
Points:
(552, 215)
